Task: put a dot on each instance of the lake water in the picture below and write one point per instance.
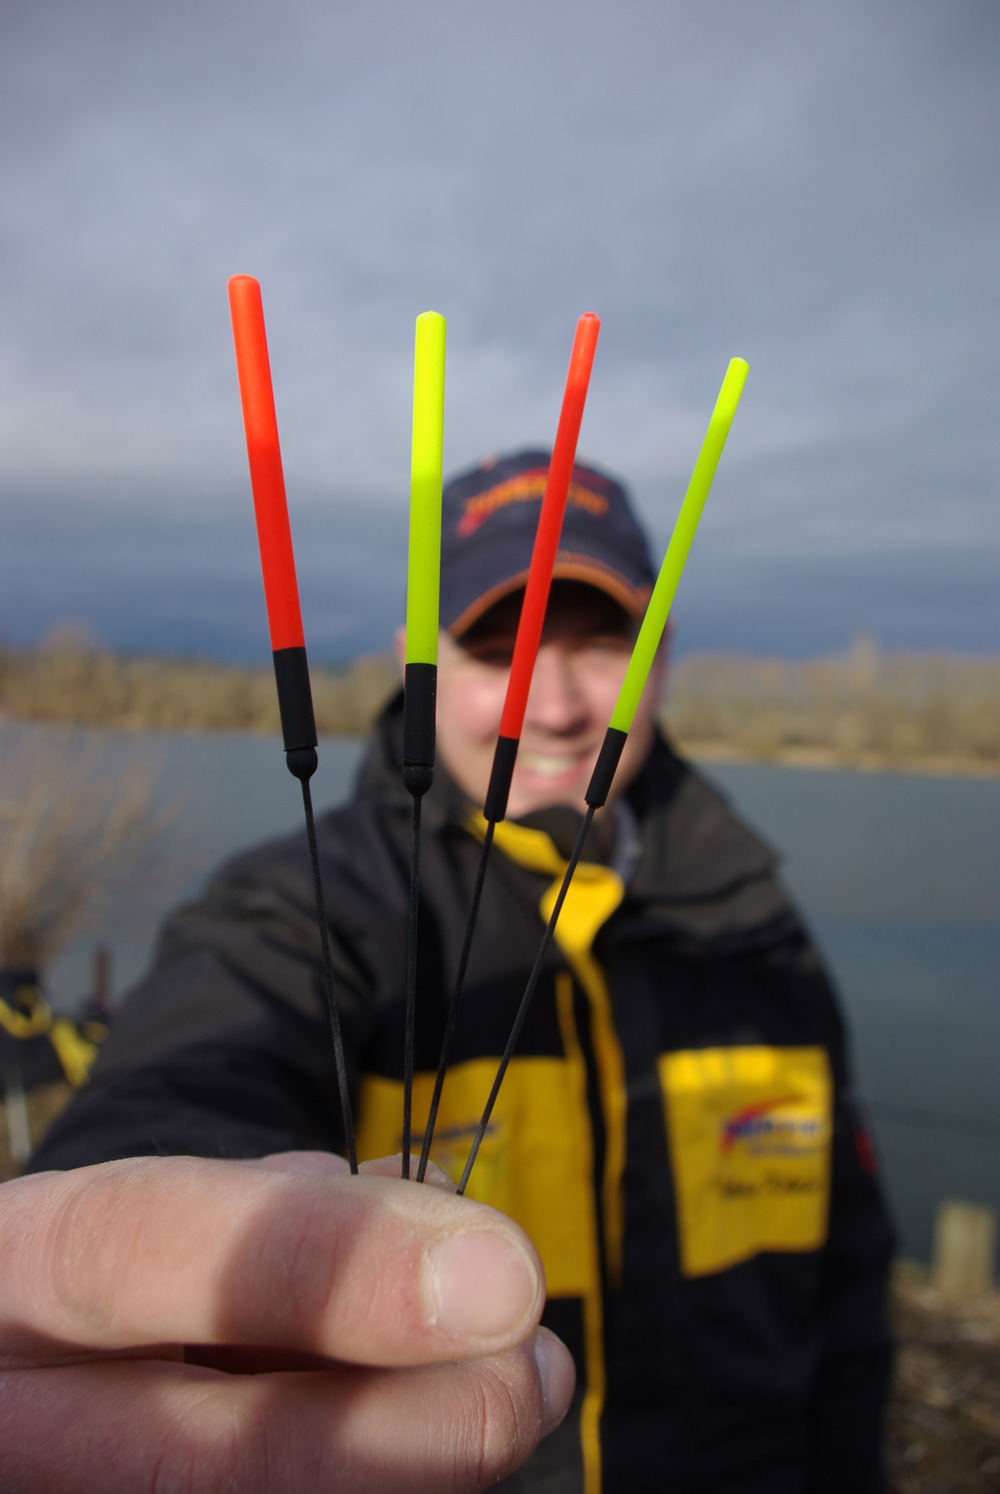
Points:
(898, 875)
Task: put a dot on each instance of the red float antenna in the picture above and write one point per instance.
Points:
(526, 642)
(284, 616)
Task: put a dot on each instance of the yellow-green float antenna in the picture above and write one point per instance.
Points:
(658, 610)
(422, 604)
(636, 675)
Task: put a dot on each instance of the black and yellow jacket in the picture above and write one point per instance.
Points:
(675, 1132)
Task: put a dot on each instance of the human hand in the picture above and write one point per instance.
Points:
(357, 1333)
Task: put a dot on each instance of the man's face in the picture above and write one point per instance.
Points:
(585, 649)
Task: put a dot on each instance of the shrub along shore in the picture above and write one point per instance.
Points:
(866, 709)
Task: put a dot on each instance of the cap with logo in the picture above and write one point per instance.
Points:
(489, 517)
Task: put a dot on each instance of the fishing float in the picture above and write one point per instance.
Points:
(526, 643)
(423, 588)
(284, 615)
(623, 715)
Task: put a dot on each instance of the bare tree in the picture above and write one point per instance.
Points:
(72, 828)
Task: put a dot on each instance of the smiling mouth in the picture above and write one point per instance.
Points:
(548, 765)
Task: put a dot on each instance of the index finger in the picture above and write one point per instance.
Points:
(181, 1250)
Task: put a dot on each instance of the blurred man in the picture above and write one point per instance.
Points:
(674, 1134)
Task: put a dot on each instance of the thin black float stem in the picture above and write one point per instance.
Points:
(529, 992)
(331, 999)
(419, 699)
(456, 995)
(411, 985)
(494, 810)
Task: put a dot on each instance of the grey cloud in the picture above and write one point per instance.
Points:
(814, 188)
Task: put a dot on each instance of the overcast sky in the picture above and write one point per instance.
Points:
(812, 187)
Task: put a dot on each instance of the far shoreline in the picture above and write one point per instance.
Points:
(867, 711)
(801, 759)
(823, 760)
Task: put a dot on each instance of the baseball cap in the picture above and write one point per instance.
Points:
(488, 520)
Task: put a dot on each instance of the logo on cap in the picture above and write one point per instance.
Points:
(522, 489)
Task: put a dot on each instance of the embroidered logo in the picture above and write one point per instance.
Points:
(774, 1128)
(522, 489)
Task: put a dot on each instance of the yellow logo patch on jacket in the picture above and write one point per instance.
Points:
(749, 1132)
(535, 1160)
